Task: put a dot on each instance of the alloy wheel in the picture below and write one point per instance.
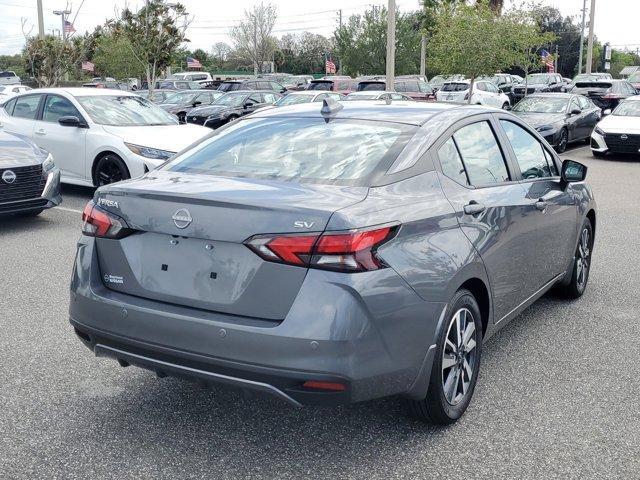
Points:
(110, 172)
(583, 260)
(562, 144)
(458, 356)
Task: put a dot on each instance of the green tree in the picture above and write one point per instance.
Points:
(50, 58)
(112, 57)
(155, 33)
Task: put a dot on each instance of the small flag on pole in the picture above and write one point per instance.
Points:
(330, 67)
(193, 63)
(547, 60)
(88, 66)
(68, 27)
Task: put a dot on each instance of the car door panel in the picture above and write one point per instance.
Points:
(22, 120)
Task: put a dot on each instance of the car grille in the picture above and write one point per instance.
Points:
(616, 143)
(29, 183)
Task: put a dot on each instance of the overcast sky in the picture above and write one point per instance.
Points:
(616, 20)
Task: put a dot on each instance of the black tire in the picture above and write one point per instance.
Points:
(505, 106)
(444, 405)
(598, 154)
(563, 141)
(582, 264)
(110, 169)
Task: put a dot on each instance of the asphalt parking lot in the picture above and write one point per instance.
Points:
(557, 395)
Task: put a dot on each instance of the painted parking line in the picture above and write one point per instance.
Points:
(64, 209)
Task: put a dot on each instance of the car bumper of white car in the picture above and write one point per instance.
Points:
(598, 143)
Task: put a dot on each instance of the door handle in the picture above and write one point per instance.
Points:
(541, 205)
(473, 208)
(40, 132)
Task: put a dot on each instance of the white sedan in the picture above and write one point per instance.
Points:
(484, 93)
(7, 91)
(618, 131)
(97, 136)
(377, 95)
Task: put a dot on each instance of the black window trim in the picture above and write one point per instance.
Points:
(41, 109)
(38, 108)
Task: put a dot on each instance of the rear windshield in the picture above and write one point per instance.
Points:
(320, 85)
(371, 87)
(343, 152)
(455, 87)
(229, 86)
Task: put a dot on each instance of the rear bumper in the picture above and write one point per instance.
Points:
(369, 332)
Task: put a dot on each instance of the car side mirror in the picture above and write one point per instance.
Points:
(606, 112)
(248, 104)
(71, 121)
(576, 111)
(196, 103)
(573, 171)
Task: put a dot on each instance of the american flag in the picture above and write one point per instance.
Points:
(548, 61)
(329, 66)
(68, 27)
(193, 63)
(88, 66)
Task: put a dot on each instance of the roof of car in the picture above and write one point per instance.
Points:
(83, 91)
(413, 113)
(554, 95)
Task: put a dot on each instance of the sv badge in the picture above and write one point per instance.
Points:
(302, 224)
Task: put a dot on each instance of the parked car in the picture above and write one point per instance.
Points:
(191, 76)
(107, 84)
(619, 130)
(439, 80)
(29, 178)
(210, 84)
(7, 91)
(343, 85)
(182, 102)
(484, 93)
(97, 136)
(561, 118)
(257, 84)
(298, 82)
(588, 77)
(634, 80)
(170, 84)
(306, 96)
(504, 82)
(377, 95)
(7, 77)
(231, 106)
(156, 96)
(539, 82)
(415, 89)
(335, 253)
(606, 94)
(517, 79)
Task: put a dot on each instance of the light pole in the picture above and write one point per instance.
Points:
(592, 15)
(391, 44)
(584, 13)
(63, 14)
(40, 20)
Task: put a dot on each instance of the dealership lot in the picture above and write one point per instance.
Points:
(557, 396)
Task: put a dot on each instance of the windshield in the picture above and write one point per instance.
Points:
(366, 96)
(126, 111)
(541, 105)
(629, 108)
(229, 86)
(455, 87)
(294, 99)
(302, 149)
(320, 85)
(538, 78)
(635, 78)
(182, 97)
(585, 78)
(231, 99)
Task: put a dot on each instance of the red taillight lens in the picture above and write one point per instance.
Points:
(328, 386)
(353, 251)
(99, 223)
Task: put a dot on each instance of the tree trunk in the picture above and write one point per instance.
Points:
(473, 77)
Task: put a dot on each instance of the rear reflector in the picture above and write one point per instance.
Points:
(100, 223)
(329, 386)
(352, 251)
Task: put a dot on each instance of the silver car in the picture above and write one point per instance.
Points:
(29, 178)
(335, 254)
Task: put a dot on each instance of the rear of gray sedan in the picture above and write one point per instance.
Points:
(262, 258)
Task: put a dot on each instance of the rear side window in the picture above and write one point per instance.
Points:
(530, 154)
(451, 162)
(481, 155)
(9, 106)
(27, 107)
(455, 87)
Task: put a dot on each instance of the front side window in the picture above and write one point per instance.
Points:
(124, 111)
(300, 149)
(269, 98)
(583, 102)
(451, 162)
(481, 154)
(529, 152)
(574, 105)
(56, 107)
(27, 107)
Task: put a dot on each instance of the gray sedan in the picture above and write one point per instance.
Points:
(334, 253)
(29, 179)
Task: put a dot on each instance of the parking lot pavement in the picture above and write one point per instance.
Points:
(557, 395)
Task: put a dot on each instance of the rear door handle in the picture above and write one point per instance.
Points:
(473, 208)
(541, 205)
(41, 132)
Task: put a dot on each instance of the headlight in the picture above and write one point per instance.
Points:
(599, 131)
(149, 152)
(48, 164)
(215, 116)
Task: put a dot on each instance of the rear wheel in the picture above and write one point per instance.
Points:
(563, 141)
(582, 263)
(110, 169)
(456, 364)
(505, 106)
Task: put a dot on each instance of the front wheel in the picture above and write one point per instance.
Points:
(110, 169)
(563, 141)
(505, 106)
(582, 264)
(456, 364)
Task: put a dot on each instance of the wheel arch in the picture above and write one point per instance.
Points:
(591, 215)
(100, 155)
(480, 291)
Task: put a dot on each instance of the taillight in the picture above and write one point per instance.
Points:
(352, 251)
(99, 223)
(611, 96)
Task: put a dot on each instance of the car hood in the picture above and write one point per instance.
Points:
(209, 110)
(18, 151)
(171, 138)
(539, 119)
(619, 124)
